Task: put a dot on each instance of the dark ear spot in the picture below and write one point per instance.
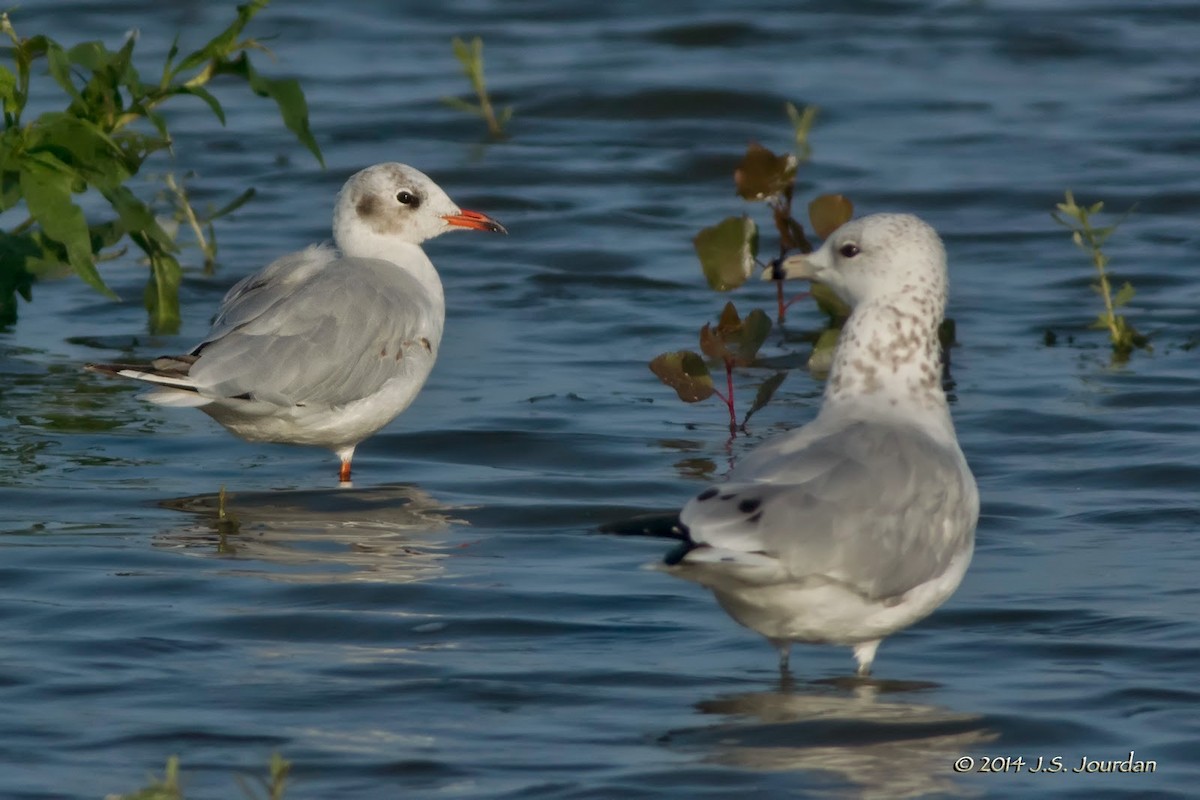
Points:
(367, 205)
(707, 494)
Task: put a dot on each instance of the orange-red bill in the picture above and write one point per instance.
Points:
(475, 221)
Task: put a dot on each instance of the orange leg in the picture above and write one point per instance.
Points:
(345, 454)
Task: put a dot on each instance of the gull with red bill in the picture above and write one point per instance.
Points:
(325, 346)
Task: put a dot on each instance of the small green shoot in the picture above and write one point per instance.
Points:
(802, 123)
(169, 788)
(275, 783)
(470, 55)
(1078, 219)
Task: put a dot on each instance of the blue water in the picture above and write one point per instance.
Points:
(453, 625)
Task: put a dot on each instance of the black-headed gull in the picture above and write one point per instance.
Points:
(326, 346)
(863, 521)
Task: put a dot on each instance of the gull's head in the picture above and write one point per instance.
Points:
(400, 203)
(873, 256)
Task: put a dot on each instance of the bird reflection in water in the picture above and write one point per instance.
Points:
(395, 533)
(878, 746)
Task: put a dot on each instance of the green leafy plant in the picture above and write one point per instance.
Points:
(93, 149)
(470, 55)
(1078, 219)
(728, 255)
(169, 787)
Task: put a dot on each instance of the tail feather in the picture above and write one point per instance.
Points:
(169, 372)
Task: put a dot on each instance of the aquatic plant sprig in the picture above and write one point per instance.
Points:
(470, 55)
(97, 144)
(169, 787)
(1078, 219)
(728, 255)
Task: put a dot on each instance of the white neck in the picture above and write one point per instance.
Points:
(888, 361)
(364, 243)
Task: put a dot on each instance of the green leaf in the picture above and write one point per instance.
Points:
(754, 330)
(828, 301)
(207, 97)
(92, 56)
(47, 194)
(137, 217)
(766, 390)
(8, 91)
(828, 213)
(60, 69)
(16, 251)
(286, 93)
(729, 323)
(10, 189)
(821, 360)
(162, 292)
(1123, 296)
(686, 373)
(727, 252)
(762, 175)
(233, 205)
(947, 333)
(165, 81)
(715, 341)
(225, 42)
(78, 143)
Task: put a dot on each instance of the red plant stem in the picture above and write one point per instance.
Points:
(800, 296)
(782, 305)
(729, 400)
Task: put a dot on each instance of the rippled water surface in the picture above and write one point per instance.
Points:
(453, 625)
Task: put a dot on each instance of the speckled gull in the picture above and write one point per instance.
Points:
(862, 522)
(326, 346)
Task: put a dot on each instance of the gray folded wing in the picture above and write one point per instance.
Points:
(317, 330)
(879, 507)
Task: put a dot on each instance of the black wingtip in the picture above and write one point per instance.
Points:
(660, 525)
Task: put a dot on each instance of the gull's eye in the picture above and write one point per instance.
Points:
(408, 199)
(849, 250)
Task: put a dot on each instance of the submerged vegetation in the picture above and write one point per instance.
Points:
(728, 255)
(470, 56)
(1078, 219)
(93, 149)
